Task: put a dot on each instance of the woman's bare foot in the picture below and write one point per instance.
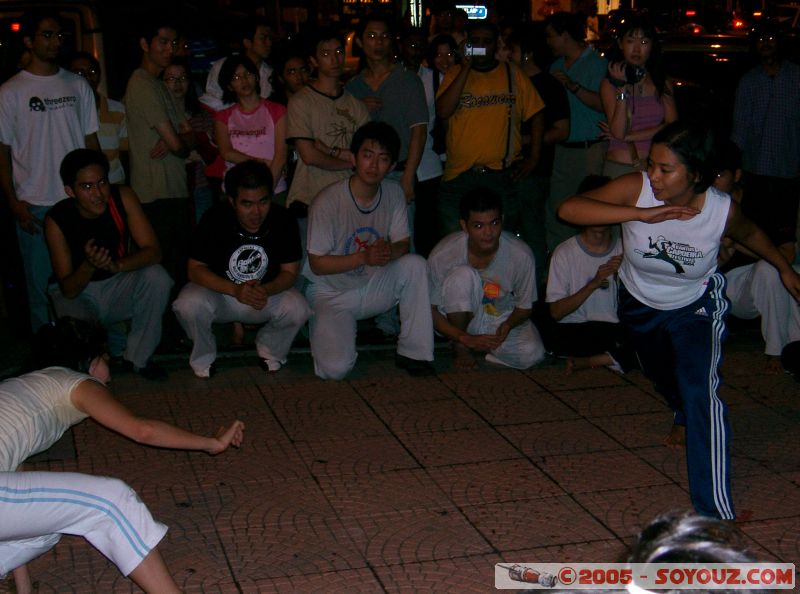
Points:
(773, 366)
(463, 358)
(576, 364)
(676, 438)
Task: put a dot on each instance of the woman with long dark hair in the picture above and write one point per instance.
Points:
(672, 297)
(637, 98)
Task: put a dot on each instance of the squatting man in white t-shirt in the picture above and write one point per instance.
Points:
(358, 261)
(483, 285)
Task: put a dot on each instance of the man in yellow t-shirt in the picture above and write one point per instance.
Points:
(485, 102)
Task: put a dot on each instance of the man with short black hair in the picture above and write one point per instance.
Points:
(358, 261)
(321, 119)
(243, 265)
(483, 288)
(580, 69)
(160, 139)
(485, 103)
(45, 112)
(106, 258)
(255, 36)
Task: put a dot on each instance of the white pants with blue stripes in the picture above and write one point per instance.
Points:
(36, 508)
(681, 351)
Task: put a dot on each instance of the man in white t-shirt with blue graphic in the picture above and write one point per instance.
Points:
(483, 285)
(358, 261)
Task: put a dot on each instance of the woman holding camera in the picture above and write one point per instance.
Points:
(637, 99)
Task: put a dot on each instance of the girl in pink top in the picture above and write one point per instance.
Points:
(252, 128)
(637, 99)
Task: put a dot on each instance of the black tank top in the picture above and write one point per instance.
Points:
(109, 230)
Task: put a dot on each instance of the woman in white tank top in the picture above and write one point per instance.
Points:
(672, 299)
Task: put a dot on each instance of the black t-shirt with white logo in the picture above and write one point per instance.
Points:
(233, 253)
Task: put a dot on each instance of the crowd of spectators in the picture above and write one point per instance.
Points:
(430, 192)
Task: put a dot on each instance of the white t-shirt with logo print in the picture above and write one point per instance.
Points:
(337, 226)
(667, 265)
(42, 118)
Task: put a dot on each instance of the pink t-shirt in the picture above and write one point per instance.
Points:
(253, 133)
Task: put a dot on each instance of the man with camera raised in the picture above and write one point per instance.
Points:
(485, 103)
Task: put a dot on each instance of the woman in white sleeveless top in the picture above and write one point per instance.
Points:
(672, 298)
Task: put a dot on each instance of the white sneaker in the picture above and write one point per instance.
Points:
(205, 373)
(271, 365)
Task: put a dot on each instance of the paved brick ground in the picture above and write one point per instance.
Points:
(385, 483)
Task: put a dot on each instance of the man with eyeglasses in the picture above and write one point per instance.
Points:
(244, 262)
(45, 112)
(159, 139)
(113, 129)
(106, 257)
(255, 37)
(766, 127)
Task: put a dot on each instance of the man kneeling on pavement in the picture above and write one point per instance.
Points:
(106, 258)
(483, 285)
(243, 264)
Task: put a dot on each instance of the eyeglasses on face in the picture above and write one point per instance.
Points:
(248, 75)
(175, 79)
(50, 34)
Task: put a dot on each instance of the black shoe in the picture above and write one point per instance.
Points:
(119, 364)
(414, 367)
(153, 372)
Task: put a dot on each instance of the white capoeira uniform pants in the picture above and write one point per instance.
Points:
(197, 308)
(756, 290)
(462, 292)
(333, 326)
(36, 508)
(140, 296)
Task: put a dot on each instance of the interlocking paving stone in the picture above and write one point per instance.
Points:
(597, 551)
(278, 460)
(315, 546)
(440, 448)
(616, 469)
(257, 505)
(615, 400)
(353, 581)
(383, 492)
(780, 538)
(627, 511)
(672, 463)
(462, 575)
(355, 456)
(495, 381)
(397, 389)
(637, 430)
(556, 378)
(767, 496)
(493, 482)
(531, 523)
(308, 420)
(435, 415)
(558, 437)
(514, 408)
(413, 536)
(343, 513)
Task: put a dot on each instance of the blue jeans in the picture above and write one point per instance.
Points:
(38, 270)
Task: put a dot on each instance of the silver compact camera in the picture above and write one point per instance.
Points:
(471, 50)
